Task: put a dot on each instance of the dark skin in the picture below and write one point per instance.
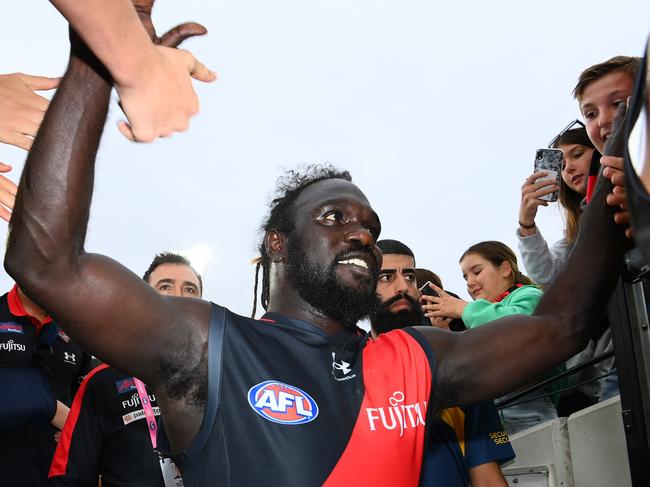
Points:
(118, 317)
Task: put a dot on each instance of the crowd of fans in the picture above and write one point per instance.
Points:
(110, 415)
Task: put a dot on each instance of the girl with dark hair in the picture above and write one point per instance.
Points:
(541, 262)
(498, 289)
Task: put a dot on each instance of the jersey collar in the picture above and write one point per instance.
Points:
(17, 308)
(310, 333)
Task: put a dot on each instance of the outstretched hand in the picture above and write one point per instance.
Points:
(7, 193)
(160, 99)
(164, 101)
(22, 110)
(21, 114)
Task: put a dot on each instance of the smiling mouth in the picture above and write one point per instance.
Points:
(354, 262)
(605, 137)
(576, 179)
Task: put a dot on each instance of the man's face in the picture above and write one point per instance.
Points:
(397, 280)
(333, 261)
(599, 101)
(175, 280)
(398, 294)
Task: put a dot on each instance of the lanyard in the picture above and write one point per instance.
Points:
(152, 426)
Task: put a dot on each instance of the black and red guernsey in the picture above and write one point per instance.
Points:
(290, 405)
(106, 434)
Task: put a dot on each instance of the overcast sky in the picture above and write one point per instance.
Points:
(436, 108)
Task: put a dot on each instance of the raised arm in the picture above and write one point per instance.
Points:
(102, 305)
(491, 360)
(154, 82)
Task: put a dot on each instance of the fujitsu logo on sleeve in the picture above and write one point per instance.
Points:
(397, 415)
(282, 403)
(134, 401)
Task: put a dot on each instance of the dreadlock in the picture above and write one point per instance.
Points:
(280, 217)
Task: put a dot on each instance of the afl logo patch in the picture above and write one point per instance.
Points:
(281, 403)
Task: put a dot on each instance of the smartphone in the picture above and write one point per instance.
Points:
(549, 160)
(426, 289)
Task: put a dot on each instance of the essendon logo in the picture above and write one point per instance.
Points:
(11, 327)
(125, 385)
(282, 403)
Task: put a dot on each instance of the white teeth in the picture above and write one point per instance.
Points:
(358, 262)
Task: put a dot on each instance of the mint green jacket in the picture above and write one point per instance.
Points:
(521, 301)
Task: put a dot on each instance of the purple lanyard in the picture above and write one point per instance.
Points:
(152, 426)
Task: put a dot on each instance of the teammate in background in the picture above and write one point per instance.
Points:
(467, 443)
(107, 432)
(41, 370)
(45, 373)
(272, 387)
(154, 82)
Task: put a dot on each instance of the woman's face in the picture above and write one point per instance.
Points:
(484, 279)
(575, 170)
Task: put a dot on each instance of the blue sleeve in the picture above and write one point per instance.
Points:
(26, 396)
(485, 438)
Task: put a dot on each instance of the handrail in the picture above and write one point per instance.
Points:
(510, 400)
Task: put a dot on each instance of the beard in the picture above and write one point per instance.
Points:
(384, 320)
(320, 287)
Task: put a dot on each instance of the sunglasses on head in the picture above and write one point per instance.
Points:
(574, 124)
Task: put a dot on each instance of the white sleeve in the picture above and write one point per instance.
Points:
(541, 262)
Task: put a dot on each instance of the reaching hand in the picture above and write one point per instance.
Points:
(154, 83)
(161, 99)
(7, 193)
(22, 110)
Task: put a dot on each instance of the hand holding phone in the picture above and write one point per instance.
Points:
(549, 160)
(428, 290)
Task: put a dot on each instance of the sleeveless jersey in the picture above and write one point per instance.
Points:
(290, 405)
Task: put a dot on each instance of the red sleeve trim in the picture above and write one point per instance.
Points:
(60, 460)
